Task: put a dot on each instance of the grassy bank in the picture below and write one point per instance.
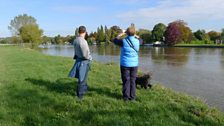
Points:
(203, 44)
(35, 90)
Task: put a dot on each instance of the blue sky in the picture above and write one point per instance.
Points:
(63, 16)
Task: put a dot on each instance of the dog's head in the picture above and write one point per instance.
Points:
(148, 75)
(148, 78)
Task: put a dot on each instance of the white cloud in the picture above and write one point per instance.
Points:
(192, 11)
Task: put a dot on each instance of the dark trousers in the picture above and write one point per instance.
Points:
(82, 86)
(128, 75)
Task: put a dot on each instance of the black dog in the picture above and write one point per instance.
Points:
(144, 81)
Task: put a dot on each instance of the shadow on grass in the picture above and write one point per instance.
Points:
(63, 85)
(68, 86)
(105, 91)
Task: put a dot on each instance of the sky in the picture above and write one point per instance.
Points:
(63, 16)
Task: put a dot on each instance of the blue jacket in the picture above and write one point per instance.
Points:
(80, 69)
(128, 56)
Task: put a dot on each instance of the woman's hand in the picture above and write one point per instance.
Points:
(120, 35)
(136, 36)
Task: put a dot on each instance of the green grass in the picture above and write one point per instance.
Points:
(35, 91)
(199, 44)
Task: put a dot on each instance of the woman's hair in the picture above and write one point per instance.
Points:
(131, 31)
(82, 29)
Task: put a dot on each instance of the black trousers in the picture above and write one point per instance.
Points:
(128, 75)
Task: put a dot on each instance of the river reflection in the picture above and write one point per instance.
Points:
(172, 56)
(196, 71)
(111, 50)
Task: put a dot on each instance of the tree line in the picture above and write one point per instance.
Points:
(25, 29)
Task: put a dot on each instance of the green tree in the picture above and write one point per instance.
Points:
(222, 35)
(202, 36)
(186, 34)
(19, 21)
(15, 39)
(31, 34)
(158, 32)
(100, 34)
(69, 38)
(107, 34)
(92, 38)
(214, 35)
(3, 41)
(45, 39)
(145, 35)
(58, 39)
(114, 31)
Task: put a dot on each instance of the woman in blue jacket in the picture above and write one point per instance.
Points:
(128, 61)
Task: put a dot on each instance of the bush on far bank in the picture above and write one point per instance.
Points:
(202, 42)
(3, 41)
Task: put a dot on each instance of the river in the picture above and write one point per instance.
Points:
(195, 71)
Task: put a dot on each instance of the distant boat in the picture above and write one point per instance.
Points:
(158, 43)
(147, 45)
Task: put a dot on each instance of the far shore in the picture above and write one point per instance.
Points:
(189, 45)
(6, 44)
(199, 45)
